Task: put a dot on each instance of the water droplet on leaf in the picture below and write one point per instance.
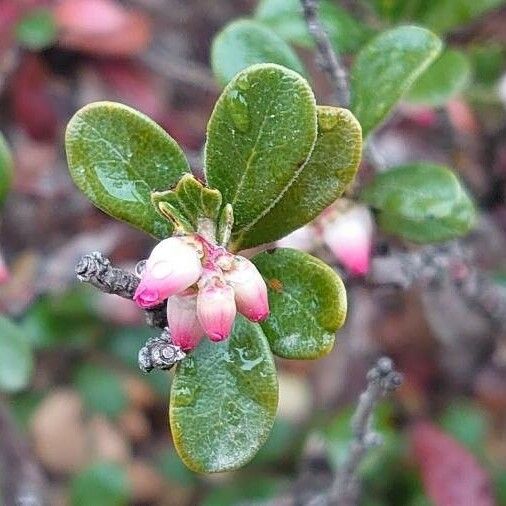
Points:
(238, 109)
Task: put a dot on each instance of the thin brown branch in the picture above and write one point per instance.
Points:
(97, 270)
(432, 265)
(329, 61)
(382, 379)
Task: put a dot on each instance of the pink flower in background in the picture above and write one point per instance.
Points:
(173, 266)
(348, 234)
(216, 307)
(249, 288)
(185, 328)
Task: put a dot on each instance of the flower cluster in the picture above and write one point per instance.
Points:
(205, 286)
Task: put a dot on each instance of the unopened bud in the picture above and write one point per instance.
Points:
(172, 267)
(183, 322)
(249, 288)
(216, 308)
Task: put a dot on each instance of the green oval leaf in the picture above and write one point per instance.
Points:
(5, 168)
(421, 202)
(244, 43)
(37, 30)
(16, 359)
(223, 400)
(445, 78)
(330, 169)
(286, 19)
(307, 300)
(262, 131)
(117, 157)
(385, 69)
(102, 484)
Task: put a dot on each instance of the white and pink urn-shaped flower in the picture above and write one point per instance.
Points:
(205, 286)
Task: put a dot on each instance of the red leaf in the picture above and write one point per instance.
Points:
(32, 105)
(451, 475)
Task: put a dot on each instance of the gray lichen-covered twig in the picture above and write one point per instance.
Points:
(432, 265)
(158, 352)
(329, 61)
(97, 270)
(381, 380)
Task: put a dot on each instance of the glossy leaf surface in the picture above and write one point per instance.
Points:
(261, 132)
(446, 77)
(330, 169)
(385, 69)
(223, 400)
(421, 202)
(117, 157)
(307, 300)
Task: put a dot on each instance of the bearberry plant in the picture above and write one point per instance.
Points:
(274, 160)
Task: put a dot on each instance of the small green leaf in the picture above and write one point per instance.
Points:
(37, 30)
(307, 300)
(223, 400)
(445, 78)
(262, 131)
(286, 19)
(188, 203)
(16, 360)
(244, 43)
(101, 389)
(5, 168)
(330, 169)
(421, 202)
(117, 157)
(444, 15)
(102, 484)
(385, 69)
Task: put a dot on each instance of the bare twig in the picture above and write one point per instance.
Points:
(21, 482)
(97, 270)
(382, 379)
(329, 61)
(432, 265)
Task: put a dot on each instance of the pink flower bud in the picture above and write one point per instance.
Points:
(216, 307)
(249, 288)
(172, 267)
(349, 236)
(303, 238)
(184, 324)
